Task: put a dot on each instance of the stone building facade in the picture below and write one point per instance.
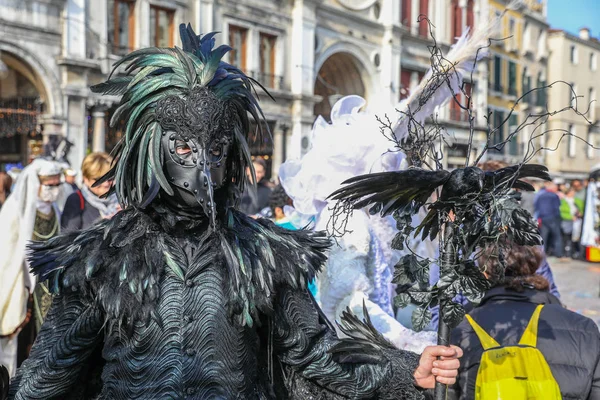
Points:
(574, 61)
(53, 50)
(308, 53)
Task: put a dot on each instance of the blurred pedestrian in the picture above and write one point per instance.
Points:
(571, 210)
(277, 201)
(569, 342)
(5, 186)
(579, 188)
(29, 213)
(547, 207)
(255, 200)
(70, 177)
(86, 205)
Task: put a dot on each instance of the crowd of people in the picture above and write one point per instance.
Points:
(559, 209)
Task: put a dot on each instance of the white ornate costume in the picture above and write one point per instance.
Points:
(360, 266)
(17, 219)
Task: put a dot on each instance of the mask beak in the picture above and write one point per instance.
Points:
(205, 196)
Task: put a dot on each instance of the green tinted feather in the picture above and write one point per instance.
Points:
(188, 67)
(139, 54)
(144, 72)
(142, 165)
(155, 153)
(115, 87)
(173, 265)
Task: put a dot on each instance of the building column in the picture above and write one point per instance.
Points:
(390, 54)
(302, 75)
(77, 126)
(99, 140)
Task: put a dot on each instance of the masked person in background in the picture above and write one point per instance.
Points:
(29, 213)
(86, 206)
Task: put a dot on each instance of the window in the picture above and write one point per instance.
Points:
(267, 59)
(458, 113)
(161, 27)
(237, 41)
(593, 61)
(405, 18)
(592, 103)
(571, 141)
(407, 77)
(423, 12)
(512, 78)
(527, 87)
(591, 144)
(541, 92)
(404, 83)
(497, 128)
(513, 144)
(121, 25)
(497, 74)
(542, 48)
(573, 95)
(457, 12)
(512, 31)
(573, 53)
(470, 16)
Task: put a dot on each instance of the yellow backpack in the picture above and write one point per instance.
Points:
(514, 372)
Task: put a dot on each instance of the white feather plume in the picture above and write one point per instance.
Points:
(445, 77)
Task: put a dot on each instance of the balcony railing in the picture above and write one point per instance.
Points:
(269, 81)
(40, 14)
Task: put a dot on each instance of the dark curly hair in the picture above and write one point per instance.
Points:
(513, 266)
(279, 198)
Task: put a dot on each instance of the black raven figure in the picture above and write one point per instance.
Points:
(480, 199)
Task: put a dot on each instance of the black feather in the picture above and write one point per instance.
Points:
(364, 343)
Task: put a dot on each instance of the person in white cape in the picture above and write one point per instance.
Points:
(29, 213)
(360, 267)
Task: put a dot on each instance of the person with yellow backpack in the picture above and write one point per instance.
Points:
(520, 342)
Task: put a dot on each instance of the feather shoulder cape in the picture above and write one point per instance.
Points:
(118, 263)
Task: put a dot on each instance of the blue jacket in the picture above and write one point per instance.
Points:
(547, 205)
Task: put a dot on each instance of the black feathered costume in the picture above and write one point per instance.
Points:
(180, 295)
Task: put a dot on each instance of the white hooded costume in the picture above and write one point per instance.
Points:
(360, 267)
(17, 219)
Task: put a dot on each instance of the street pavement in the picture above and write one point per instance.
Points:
(579, 286)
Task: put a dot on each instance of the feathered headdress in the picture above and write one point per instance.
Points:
(155, 73)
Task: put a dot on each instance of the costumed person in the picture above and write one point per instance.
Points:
(86, 205)
(70, 178)
(360, 267)
(29, 213)
(185, 295)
